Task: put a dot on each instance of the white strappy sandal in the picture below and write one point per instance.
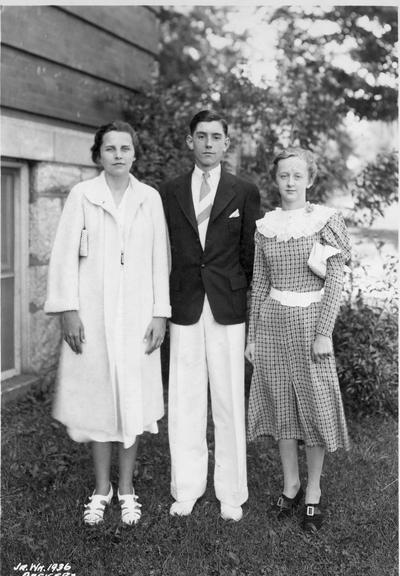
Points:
(130, 508)
(94, 510)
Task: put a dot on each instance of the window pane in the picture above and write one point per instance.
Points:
(7, 221)
(7, 270)
(7, 324)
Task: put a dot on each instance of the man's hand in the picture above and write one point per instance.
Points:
(155, 333)
(73, 331)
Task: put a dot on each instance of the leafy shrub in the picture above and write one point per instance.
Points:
(376, 187)
(366, 348)
(366, 354)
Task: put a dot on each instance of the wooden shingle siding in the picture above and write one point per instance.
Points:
(77, 64)
(44, 88)
(75, 43)
(141, 29)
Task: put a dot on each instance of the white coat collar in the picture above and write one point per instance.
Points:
(98, 193)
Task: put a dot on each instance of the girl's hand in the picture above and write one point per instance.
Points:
(155, 333)
(73, 331)
(249, 352)
(322, 348)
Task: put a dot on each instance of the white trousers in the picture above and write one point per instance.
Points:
(201, 353)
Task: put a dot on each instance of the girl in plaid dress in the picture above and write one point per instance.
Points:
(301, 250)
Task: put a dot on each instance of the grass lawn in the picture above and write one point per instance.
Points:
(46, 478)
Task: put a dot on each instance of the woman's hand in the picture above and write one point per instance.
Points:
(249, 352)
(73, 331)
(155, 333)
(322, 348)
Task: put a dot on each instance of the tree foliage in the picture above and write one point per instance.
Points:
(376, 188)
(197, 48)
(316, 91)
(370, 32)
(201, 65)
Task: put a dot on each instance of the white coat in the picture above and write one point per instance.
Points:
(86, 394)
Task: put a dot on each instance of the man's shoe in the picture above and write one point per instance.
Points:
(234, 513)
(182, 508)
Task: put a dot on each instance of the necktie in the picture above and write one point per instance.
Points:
(204, 203)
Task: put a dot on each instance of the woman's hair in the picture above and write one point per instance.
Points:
(296, 152)
(117, 126)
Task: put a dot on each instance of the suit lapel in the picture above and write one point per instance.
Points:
(225, 193)
(183, 193)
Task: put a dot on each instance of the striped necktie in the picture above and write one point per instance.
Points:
(204, 201)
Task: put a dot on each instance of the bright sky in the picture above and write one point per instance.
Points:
(368, 137)
(260, 50)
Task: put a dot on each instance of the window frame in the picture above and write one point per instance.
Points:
(21, 268)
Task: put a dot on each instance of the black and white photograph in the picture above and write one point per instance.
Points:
(199, 288)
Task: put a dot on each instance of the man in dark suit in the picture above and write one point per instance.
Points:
(211, 219)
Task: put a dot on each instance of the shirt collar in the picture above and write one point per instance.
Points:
(215, 173)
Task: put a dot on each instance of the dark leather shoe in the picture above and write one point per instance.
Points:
(286, 506)
(312, 518)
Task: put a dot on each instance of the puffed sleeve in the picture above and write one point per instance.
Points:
(260, 287)
(333, 234)
(63, 277)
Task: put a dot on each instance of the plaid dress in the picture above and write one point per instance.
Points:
(291, 396)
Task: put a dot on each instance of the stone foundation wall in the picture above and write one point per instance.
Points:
(50, 184)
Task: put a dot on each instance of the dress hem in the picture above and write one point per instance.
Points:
(343, 445)
(85, 436)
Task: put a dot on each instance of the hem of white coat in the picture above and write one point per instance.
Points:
(56, 306)
(83, 436)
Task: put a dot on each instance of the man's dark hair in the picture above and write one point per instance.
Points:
(208, 116)
(115, 126)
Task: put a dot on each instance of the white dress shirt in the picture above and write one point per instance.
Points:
(213, 181)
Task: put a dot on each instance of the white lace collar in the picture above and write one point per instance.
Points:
(286, 224)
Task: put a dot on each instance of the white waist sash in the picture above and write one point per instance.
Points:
(303, 299)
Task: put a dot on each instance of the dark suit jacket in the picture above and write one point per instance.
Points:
(224, 269)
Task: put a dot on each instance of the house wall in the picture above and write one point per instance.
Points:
(76, 64)
(65, 71)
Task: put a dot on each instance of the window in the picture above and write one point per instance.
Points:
(14, 253)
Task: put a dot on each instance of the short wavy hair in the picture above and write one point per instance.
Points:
(115, 126)
(296, 152)
(208, 116)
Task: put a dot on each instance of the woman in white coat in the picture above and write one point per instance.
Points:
(108, 278)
